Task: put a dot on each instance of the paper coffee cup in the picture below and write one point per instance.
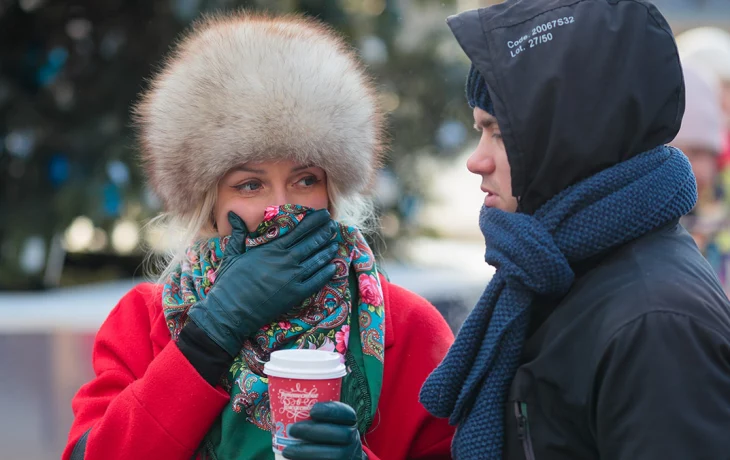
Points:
(297, 380)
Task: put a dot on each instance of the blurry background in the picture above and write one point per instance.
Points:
(73, 203)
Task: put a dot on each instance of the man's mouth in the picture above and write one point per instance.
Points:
(488, 192)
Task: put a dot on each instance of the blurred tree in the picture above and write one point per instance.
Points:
(70, 71)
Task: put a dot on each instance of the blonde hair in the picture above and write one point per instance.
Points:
(183, 231)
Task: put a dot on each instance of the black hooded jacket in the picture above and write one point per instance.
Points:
(634, 362)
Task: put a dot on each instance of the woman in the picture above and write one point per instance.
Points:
(255, 123)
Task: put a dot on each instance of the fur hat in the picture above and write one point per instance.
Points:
(250, 88)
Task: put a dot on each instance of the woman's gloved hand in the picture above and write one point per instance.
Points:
(253, 288)
(330, 435)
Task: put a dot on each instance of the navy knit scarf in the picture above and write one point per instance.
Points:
(532, 255)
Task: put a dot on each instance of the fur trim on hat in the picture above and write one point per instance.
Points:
(250, 88)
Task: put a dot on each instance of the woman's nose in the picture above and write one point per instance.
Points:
(280, 197)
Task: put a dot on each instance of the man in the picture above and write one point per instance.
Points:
(701, 139)
(604, 333)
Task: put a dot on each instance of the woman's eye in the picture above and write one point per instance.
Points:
(251, 186)
(308, 181)
(497, 136)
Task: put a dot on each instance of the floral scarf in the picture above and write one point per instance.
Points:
(321, 322)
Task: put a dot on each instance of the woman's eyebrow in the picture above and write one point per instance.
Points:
(300, 168)
(245, 168)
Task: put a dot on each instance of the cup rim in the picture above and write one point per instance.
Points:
(322, 365)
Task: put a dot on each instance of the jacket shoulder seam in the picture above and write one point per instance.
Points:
(662, 312)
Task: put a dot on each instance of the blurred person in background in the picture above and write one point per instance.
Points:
(701, 139)
(604, 333)
(255, 122)
(708, 49)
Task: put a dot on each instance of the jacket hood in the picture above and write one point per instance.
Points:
(577, 85)
(250, 88)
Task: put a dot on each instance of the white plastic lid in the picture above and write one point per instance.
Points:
(305, 364)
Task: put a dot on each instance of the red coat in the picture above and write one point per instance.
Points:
(147, 401)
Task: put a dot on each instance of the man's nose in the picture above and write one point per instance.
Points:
(480, 162)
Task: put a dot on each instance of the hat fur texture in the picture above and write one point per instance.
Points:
(249, 88)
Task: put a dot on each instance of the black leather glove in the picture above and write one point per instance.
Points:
(253, 288)
(330, 435)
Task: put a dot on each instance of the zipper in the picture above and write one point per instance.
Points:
(523, 429)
